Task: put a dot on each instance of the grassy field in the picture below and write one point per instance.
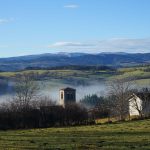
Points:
(135, 72)
(61, 73)
(119, 136)
(139, 75)
(121, 72)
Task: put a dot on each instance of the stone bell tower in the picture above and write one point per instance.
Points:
(66, 96)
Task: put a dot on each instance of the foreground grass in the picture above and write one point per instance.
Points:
(127, 135)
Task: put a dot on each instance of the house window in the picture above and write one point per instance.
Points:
(62, 96)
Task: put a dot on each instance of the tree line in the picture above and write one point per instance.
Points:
(75, 67)
(42, 117)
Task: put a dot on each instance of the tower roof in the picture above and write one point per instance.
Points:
(68, 89)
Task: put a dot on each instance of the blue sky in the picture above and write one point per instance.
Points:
(93, 26)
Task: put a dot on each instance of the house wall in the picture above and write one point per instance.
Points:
(132, 110)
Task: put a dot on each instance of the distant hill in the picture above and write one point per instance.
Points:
(65, 59)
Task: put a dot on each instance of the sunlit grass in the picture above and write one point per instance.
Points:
(127, 135)
(135, 74)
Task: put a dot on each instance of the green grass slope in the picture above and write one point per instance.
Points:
(119, 136)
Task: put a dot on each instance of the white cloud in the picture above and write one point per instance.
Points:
(125, 45)
(110, 45)
(73, 6)
(2, 21)
(69, 44)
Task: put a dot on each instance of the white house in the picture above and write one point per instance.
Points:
(139, 104)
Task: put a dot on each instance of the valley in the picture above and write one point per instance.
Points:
(89, 80)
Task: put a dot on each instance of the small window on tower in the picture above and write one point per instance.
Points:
(62, 95)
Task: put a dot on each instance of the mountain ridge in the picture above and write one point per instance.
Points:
(64, 59)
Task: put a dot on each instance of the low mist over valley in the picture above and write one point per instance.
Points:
(87, 73)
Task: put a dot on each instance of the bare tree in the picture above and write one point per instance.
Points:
(120, 90)
(26, 89)
(146, 101)
(43, 101)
